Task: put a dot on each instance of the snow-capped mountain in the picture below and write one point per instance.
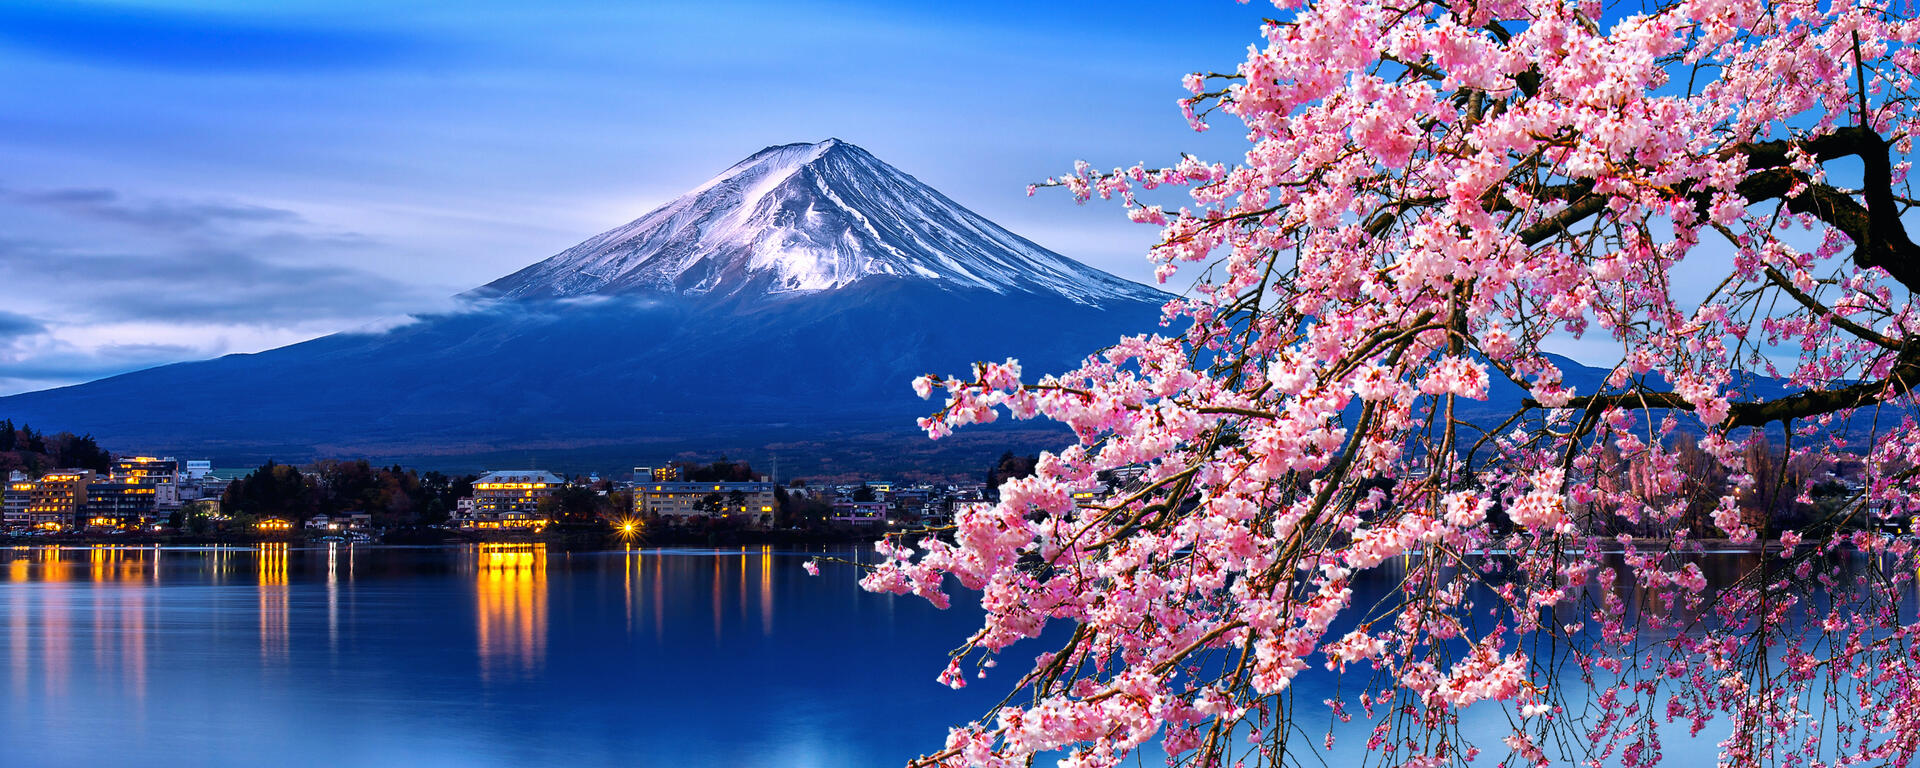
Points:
(801, 218)
(783, 306)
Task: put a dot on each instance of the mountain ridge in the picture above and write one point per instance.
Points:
(666, 336)
(802, 218)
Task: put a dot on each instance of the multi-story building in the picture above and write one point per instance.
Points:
(120, 505)
(13, 500)
(58, 499)
(162, 474)
(666, 474)
(859, 512)
(198, 469)
(346, 521)
(749, 503)
(511, 499)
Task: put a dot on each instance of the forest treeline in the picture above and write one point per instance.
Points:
(26, 449)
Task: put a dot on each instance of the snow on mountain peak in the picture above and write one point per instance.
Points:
(806, 218)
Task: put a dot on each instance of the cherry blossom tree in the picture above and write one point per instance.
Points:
(1431, 194)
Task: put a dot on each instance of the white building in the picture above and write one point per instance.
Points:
(749, 503)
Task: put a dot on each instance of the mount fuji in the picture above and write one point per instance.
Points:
(807, 218)
(777, 311)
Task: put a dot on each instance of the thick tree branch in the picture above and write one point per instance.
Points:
(1754, 414)
(1879, 238)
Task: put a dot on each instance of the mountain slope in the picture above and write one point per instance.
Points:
(804, 218)
(788, 302)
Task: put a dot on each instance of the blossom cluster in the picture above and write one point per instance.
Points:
(1432, 195)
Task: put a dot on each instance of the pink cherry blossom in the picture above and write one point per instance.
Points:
(1431, 197)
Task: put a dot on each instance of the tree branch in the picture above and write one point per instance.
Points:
(1754, 414)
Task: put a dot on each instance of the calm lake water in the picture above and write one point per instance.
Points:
(473, 656)
(502, 655)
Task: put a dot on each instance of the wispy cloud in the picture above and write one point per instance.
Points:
(52, 362)
(165, 215)
(14, 326)
(198, 40)
(181, 280)
(206, 285)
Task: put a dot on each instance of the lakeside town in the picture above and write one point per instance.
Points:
(167, 499)
(62, 487)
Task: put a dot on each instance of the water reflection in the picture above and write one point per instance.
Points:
(333, 598)
(329, 656)
(53, 566)
(19, 642)
(766, 591)
(274, 608)
(511, 611)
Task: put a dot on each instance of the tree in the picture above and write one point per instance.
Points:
(67, 450)
(273, 490)
(1010, 467)
(574, 504)
(434, 512)
(721, 471)
(1432, 192)
(801, 509)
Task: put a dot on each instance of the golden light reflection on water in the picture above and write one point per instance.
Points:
(272, 567)
(511, 615)
(110, 564)
(627, 584)
(766, 591)
(40, 623)
(53, 566)
(19, 642)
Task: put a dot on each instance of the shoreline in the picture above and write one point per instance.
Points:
(560, 539)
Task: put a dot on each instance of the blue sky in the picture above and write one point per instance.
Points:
(188, 179)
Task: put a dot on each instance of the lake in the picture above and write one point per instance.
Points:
(506, 655)
(469, 656)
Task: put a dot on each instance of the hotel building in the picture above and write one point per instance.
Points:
(161, 474)
(14, 497)
(120, 505)
(666, 474)
(58, 498)
(859, 512)
(511, 499)
(749, 503)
